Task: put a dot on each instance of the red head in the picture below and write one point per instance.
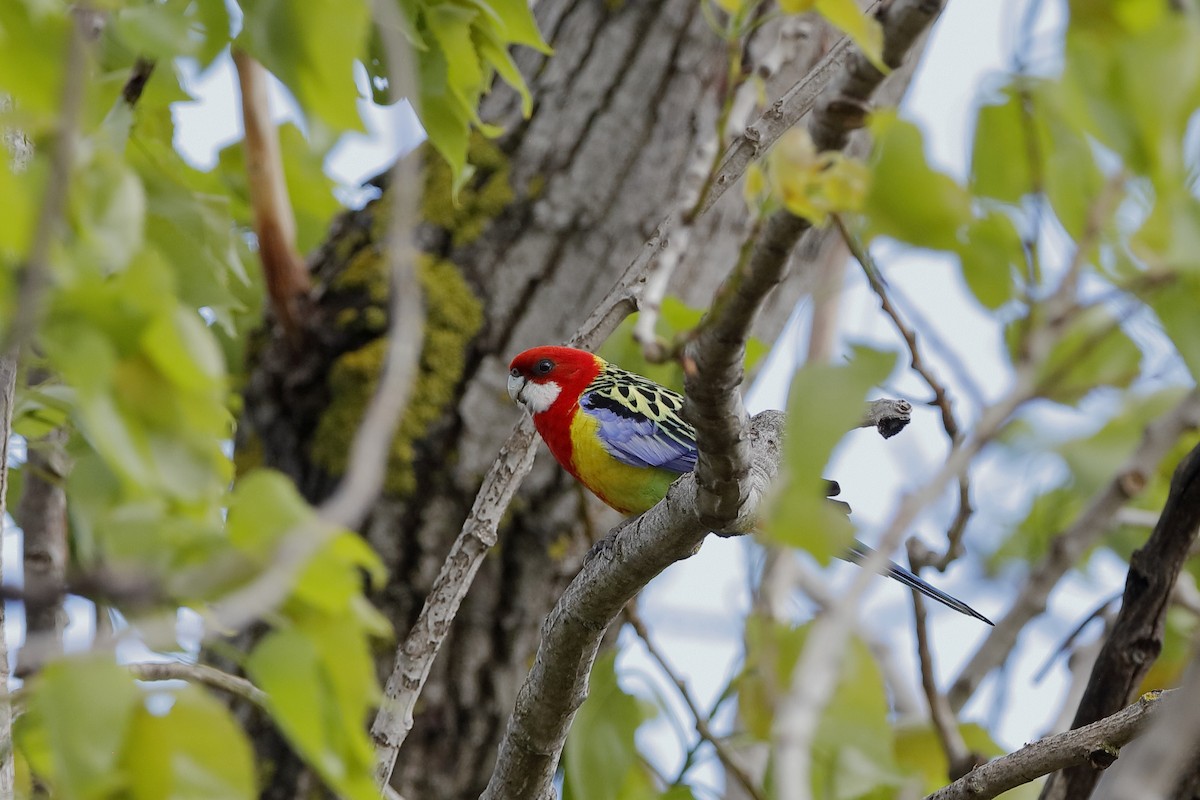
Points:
(543, 378)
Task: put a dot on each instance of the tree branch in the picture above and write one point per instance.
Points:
(727, 757)
(1066, 548)
(724, 492)
(613, 573)
(8, 384)
(1137, 636)
(1098, 743)
(199, 673)
(274, 222)
(959, 758)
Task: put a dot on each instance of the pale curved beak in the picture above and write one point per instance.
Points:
(515, 384)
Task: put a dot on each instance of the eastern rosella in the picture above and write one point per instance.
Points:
(621, 435)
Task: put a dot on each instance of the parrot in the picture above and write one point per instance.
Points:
(622, 436)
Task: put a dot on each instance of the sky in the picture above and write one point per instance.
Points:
(697, 607)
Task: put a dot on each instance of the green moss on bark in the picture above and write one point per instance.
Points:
(479, 202)
(453, 316)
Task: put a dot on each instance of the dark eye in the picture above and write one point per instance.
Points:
(543, 367)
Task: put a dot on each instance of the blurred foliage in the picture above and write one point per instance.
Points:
(825, 401)
(152, 288)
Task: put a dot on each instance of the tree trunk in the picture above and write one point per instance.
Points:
(558, 208)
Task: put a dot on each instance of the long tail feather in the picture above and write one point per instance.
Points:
(858, 553)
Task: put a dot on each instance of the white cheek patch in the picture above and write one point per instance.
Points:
(538, 397)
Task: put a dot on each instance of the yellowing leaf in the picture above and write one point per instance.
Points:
(863, 30)
(814, 185)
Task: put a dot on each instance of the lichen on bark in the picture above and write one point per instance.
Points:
(453, 316)
(485, 195)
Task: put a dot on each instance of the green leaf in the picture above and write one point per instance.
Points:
(79, 712)
(157, 30)
(451, 28)
(990, 257)
(1132, 81)
(601, 753)
(519, 25)
(194, 751)
(1093, 351)
(1175, 305)
(918, 750)
(1170, 237)
(33, 43)
(212, 16)
(824, 403)
(181, 346)
(907, 199)
(852, 751)
(108, 208)
(1000, 159)
(332, 579)
(445, 120)
(286, 666)
(264, 506)
(865, 31)
(311, 46)
(312, 695)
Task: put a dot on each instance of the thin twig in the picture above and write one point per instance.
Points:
(8, 383)
(959, 758)
(941, 397)
(199, 673)
(728, 757)
(1066, 548)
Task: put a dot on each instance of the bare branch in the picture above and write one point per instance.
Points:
(727, 757)
(1137, 636)
(724, 492)
(42, 514)
(1066, 548)
(1164, 763)
(8, 384)
(1098, 743)
(199, 673)
(959, 757)
(414, 657)
(941, 399)
(274, 223)
(614, 572)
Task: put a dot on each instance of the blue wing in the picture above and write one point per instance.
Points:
(639, 421)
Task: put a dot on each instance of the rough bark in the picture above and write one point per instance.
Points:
(43, 517)
(619, 110)
(1137, 636)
